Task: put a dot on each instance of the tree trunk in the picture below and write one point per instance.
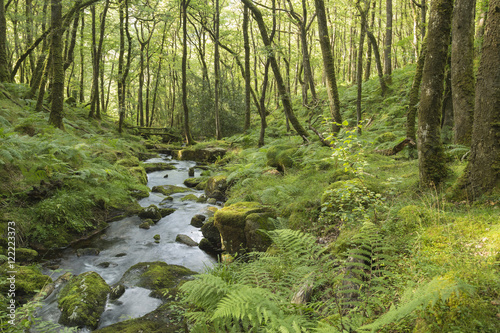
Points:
(82, 67)
(218, 133)
(462, 69)
(432, 167)
(187, 132)
(359, 73)
(378, 62)
(262, 105)
(447, 107)
(483, 170)
(4, 61)
(56, 109)
(329, 65)
(246, 46)
(287, 105)
(388, 42)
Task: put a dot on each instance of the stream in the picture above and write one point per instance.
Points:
(123, 244)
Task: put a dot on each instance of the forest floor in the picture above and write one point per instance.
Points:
(384, 253)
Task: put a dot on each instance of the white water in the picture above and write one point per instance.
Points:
(124, 244)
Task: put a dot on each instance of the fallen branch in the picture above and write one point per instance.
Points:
(397, 148)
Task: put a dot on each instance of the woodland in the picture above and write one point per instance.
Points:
(370, 129)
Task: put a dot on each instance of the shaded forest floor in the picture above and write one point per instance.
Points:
(378, 249)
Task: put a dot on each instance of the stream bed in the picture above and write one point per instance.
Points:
(123, 244)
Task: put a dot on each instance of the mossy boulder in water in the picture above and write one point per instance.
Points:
(190, 197)
(152, 212)
(167, 318)
(82, 300)
(199, 154)
(157, 276)
(170, 189)
(212, 236)
(238, 225)
(216, 188)
(184, 239)
(151, 167)
(197, 220)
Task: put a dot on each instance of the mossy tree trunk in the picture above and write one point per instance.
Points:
(329, 65)
(411, 114)
(218, 133)
(4, 61)
(248, 86)
(57, 105)
(378, 62)
(363, 12)
(432, 166)
(187, 131)
(483, 171)
(285, 97)
(462, 71)
(388, 42)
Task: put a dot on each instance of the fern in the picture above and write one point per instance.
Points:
(438, 289)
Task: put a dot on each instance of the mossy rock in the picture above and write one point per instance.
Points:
(409, 219)
(140, 174)
(216, 187)
(231, 221)
(184, 239)
(199, 154)
(211, 233)
(166, 211)
(146, 224)
(190, 197)
(192, 182)
(151, 167)
(151, 212)
(202, 198)
(170, 189)
(281, 157)
(25, 255)
(82, 300)
(167, 200)
(197, 220)
(157, 276)
(129, 162)
(255, 224)
(202, 185)
(29, 280)
(167, 318)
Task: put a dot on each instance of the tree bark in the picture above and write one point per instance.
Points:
(187, 132)
(4, 61)
(378, 62)
(218, 133)
(285, 98)
(483, 170)
(56, 109)
(432, 166)
(329, 66)
(388, 42)
(359, 73)
(246, 46)
(462, 69)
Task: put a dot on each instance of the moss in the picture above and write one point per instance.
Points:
(129, 162)
(25, 255)
(167, 318)
(139, 173)
(385, 137)
(170, 189)
(216, 187)
(82, 300)
(151, 167)
(281, 157)
(157, 276)
(29, 280)
(190, 197)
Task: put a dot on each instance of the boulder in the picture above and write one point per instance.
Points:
(201, 155)
(90, 251)
(146, 224)
(197, 220)
(190, 197)
(212, 201)
(152, 212)
(82, 300)
(238, 225)
(211, 233)
(170, 189)
(184, 239)
(192, 182)
(216, 188)
(117, 291)
(25, 255)
(208, 247)
(166, 211)
(159, 277)
(151, 167)
(202, 198)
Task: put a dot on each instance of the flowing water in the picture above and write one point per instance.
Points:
(123, 244)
